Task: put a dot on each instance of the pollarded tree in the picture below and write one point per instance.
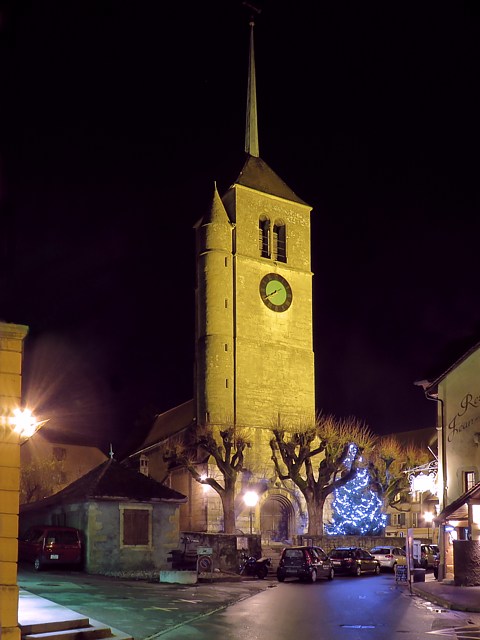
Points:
(389, 462)
(226, 445)
(318, 459)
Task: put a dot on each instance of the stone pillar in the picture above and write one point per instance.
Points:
(466, 555)
(11, 352)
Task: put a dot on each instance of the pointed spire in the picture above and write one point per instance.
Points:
(216, 213)
(251, 127)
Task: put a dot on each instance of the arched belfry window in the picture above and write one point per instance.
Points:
(264, 237)
(279, 242)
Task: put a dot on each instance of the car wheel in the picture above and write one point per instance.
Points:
(280, 578)
(37, 565)
(313, 576)
(377, 570)
(358, 570)
(331, 574)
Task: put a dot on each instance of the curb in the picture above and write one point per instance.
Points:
(443, 601)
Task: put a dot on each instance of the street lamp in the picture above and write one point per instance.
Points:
(428, 518)
(251, 498)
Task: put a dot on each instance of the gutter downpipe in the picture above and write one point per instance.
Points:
(434, 397)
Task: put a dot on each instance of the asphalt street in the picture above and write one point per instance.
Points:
(367, 608)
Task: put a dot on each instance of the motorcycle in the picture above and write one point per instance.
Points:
(250, 566)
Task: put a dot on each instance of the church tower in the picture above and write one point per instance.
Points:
(254, 338)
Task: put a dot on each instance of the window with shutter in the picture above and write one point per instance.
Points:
(135, 527)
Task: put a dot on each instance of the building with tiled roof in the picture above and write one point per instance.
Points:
(129, 521)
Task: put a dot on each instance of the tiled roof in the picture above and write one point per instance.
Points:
(112, 481)
(168, 424)
(256, 174)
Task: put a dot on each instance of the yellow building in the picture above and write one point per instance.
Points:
(12, 337)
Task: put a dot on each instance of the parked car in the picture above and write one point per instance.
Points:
(423, 556)
(427, 558)
(305, 563)
(388, 556)
(48, 545)
(354, 561)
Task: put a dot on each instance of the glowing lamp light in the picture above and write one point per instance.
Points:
(428, 516)
(476, 514)
(24, 423)
(205, 487)
(250, 498)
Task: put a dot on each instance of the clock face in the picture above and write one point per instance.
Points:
(275, 292)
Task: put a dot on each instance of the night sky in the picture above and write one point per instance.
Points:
(117, 118)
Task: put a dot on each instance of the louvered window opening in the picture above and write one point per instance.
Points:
(263, 239)
(135, 527)
(279, 243)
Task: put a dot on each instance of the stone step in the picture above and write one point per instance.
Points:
(42, 619)
(89, 632)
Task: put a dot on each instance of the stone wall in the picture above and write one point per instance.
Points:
(327, 543)
(226, 548)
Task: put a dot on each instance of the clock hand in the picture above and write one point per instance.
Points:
(269, 295)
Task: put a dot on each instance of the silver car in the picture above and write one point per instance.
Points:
(388, 556)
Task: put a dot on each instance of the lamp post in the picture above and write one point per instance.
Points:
(251, 498)
(428, 518)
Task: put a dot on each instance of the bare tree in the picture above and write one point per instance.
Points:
(226, 445)
(40, 479)
(389, 461)
(319, 458)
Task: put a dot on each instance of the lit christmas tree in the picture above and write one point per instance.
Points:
(357, 510)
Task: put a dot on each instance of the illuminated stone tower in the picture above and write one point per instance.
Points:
(254, 342)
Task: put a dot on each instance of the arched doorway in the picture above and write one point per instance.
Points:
(277, 519)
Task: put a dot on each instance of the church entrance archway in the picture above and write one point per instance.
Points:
(277, 519)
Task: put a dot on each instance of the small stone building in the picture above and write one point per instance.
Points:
(130, 522)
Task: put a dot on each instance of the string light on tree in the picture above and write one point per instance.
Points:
(357, 510)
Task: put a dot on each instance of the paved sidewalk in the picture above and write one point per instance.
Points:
(448, 595)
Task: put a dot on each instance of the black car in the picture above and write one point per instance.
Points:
(353, 561)
(305, 563)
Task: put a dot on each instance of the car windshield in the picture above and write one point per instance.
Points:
(381, 550)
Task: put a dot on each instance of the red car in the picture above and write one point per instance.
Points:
(48, 545)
